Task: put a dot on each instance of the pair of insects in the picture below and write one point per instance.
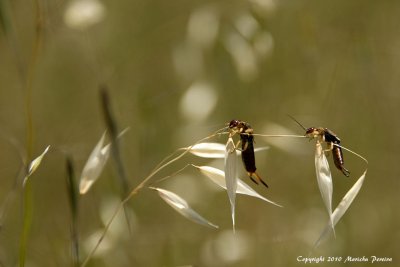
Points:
(247, 139)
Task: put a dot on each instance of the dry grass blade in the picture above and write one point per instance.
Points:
(94, 165)
(214, 150)
(208, 150)
(245, 189)
(72, 188)
(342, 208)
(231, 175)
(348, 199)
(324, 178)
(73, 195)
(115, 149)
(113, 129)
(258, 149)
(218, 177)
(182, 207)
(35, 164)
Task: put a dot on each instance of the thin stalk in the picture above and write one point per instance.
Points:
(281, 135)
(37, 44)
(173, 174)
(27, 208)
(169, 157)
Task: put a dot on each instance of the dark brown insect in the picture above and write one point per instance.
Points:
(247, 139)
(332, 141)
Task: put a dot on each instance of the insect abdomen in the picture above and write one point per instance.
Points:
(248, 153)
(338, 160)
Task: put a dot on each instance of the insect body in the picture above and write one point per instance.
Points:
(333, 142)
(247, 139)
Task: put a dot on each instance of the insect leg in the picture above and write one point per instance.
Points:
(237, 145)
(329, 147)
(258, 178)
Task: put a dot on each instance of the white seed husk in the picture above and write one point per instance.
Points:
(182, 207)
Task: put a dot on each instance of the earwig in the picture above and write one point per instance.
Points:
(332, 141)
(247, 139)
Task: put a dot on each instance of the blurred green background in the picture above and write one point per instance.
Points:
(176, 72)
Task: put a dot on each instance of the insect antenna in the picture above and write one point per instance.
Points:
(301, 125)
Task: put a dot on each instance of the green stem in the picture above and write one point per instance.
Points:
(27, 222)
(27, 208)
(29, 82)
